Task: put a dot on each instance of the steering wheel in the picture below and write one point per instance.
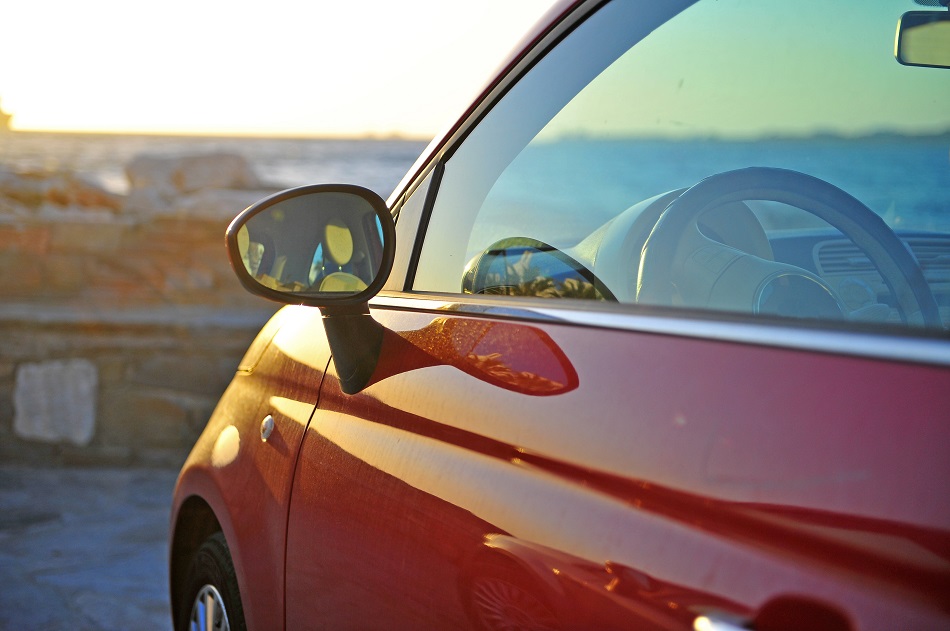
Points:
(679, 263)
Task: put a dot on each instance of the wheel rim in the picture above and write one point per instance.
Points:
(208, 612)
(503, 606)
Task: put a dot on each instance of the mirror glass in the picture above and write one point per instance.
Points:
(923, 39)
(313, 244)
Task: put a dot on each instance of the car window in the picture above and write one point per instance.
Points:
(409, 214)
(714, 163)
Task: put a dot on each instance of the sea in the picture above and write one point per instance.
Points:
(905, 179)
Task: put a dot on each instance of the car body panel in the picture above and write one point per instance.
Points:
(246, 480)
(727, 502)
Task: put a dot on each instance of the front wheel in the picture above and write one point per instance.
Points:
(212, 591)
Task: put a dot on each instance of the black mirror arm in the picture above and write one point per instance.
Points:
(355, 340)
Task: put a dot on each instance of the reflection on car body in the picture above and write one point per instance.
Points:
(655, 337)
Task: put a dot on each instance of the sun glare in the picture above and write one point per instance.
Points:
(284, 68)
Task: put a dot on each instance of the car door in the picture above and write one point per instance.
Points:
(545, 445)
(646, 490)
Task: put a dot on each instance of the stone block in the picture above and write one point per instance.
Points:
(221, 204)
(7, 369)
(22, 275)
(216, 170)
(96, 238)
(112, 367)
(199, 375)
(189, 230)
(64, 273)
(68, 190)
(25, 188)
(190, 279)
(55, 401)
(170, 175)
(6, 410)
(12, 208)
(25, 240)
(59, 189)
(141, 419)
(146, 201)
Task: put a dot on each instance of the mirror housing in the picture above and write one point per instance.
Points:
(923, 39)
(328, 245)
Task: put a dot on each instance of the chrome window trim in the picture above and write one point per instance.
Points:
(884, 346)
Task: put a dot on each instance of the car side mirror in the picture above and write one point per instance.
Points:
(923, 39)
(328, 246)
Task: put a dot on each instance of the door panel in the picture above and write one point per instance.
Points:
(618, 480)
(248, 479)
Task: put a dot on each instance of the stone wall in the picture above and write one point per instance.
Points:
(136, 388)
(121, 322)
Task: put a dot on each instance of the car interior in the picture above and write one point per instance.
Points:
(726, 260)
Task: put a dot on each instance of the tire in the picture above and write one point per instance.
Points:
(211, 591)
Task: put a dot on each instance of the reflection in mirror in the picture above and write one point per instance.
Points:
(520, 266)
(312, 244)
(923, 39)
(514, 357)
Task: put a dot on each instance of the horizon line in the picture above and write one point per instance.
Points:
(394, 136)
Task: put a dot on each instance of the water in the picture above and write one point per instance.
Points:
(907, 180)
(376, 164)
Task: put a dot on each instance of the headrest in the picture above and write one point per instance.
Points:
(339, 242)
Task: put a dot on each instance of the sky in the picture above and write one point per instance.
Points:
(280, 67)
(786, 78)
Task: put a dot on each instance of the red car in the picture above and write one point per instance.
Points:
(655, 337)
